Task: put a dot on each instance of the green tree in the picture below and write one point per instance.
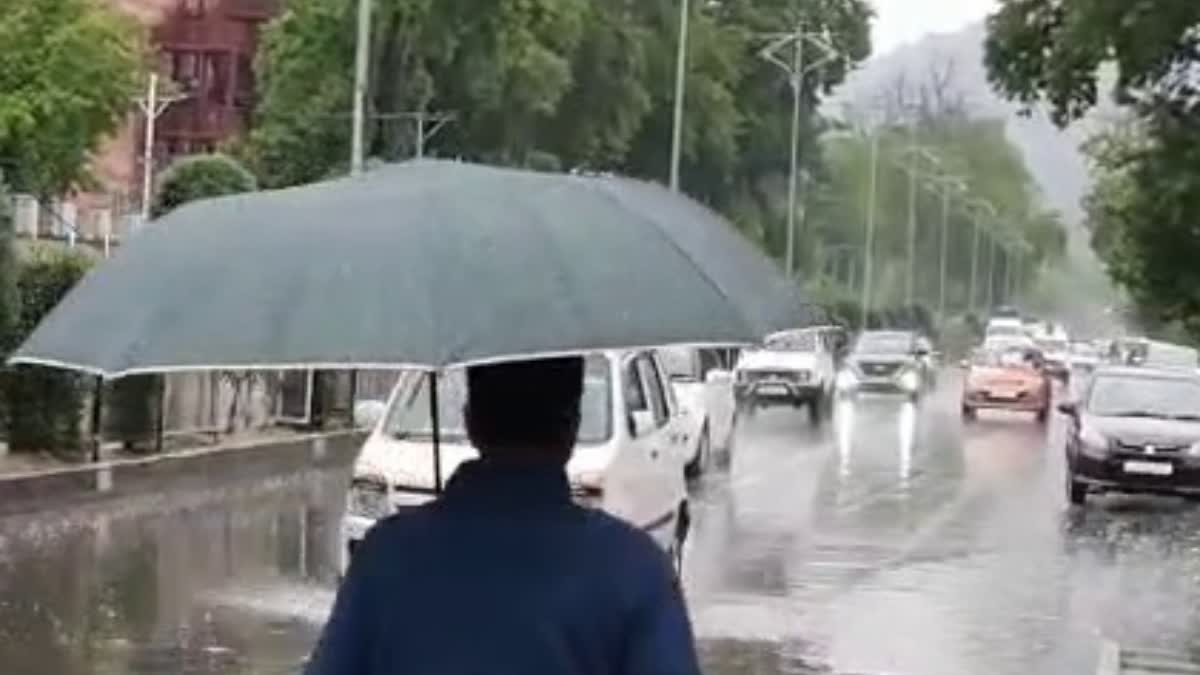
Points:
(70, 67)
(200, 177)
(1145, 203)
(9, 301)
(43, 406)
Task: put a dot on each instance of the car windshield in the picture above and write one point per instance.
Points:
(1168, 397)
(884, 343)
(1013, 357)
(792, 342)
(409, 416)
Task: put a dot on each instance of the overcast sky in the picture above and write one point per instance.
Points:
(901, 21)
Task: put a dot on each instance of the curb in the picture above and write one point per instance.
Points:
(182, 470)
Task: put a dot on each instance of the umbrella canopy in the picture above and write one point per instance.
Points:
(425, 264)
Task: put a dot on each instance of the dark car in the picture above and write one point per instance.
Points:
(888, 361)
(1134, 430)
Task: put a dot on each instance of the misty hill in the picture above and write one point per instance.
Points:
(956, 59)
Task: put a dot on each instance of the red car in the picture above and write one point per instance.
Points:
(1012, 378)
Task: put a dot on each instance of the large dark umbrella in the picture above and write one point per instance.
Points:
(425, 264)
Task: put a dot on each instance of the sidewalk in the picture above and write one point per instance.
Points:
(32, 482)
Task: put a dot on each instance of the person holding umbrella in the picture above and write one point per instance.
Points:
(504, 573)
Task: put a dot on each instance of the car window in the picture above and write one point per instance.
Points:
(409, 417)
(631, 381)
(1112, 396)
(884, 343)
(805, 341)
(679, 363)
(653, 387)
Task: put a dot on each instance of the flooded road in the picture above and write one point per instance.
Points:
(891, 540)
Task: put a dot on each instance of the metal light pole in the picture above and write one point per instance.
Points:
(152, 106)
(869, 243)
(362, 51)
(796, 70)
(979, 205)
(680, 86)
(942, 255)
(991, 277)
(910, 268)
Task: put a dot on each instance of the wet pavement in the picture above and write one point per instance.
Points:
(893, 539)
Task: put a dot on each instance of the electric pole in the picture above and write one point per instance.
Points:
(152, 106)
(362, 52)
(680, 86)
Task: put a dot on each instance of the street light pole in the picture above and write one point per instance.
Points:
(152, 106)
(680, 86)
(796, 70)
(942, 254)
(362, 51)
(910, 268)
(869, 243)
(991, 277)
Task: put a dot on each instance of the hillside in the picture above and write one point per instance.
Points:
(1053, 156)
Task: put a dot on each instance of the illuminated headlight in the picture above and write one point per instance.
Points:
(909, 380)
(846, 380)
(1093, 443)
(1194, 449)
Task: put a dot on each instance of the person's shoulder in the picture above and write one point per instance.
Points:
(620, 536)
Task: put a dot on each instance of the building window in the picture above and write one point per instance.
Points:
(194, 8)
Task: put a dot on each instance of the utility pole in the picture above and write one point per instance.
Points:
(680, 86)
(152, 106)
(362, 51)
(796, 69)
(991, 277)
(911, 268)
(869, 243)
(942, 254)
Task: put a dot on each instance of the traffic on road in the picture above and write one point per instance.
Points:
(920, 527)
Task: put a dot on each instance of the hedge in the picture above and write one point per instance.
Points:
(43, 406)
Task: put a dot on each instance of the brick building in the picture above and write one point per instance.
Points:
(206, 47)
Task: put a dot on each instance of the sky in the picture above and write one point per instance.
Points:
(901, 21)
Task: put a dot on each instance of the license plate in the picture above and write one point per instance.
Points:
(772, 388)
(1003, 396)
(1149, 468)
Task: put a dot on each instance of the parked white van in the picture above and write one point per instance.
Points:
(628, 459)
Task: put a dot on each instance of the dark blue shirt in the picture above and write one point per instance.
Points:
(504, 574)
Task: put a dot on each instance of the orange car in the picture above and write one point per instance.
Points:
(1011, 378)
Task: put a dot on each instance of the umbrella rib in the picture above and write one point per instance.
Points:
(608, 194)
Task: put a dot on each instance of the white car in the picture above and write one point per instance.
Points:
(628, 459)
(704, 392)
(1005, 327)
(795, 367)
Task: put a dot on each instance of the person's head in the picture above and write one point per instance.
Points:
(525, 410)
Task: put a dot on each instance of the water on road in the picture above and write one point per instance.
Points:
(893, 539)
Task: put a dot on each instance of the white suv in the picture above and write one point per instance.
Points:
(628, 459)
(795, 367)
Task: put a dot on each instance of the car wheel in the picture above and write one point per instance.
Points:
(968, 413)
(1076, 491)
(699, 463)
(683, 524)
(1043, 415)
(816, 411)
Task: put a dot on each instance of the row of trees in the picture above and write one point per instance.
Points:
(1144, 207)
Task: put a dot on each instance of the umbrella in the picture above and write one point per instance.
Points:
(425, 264)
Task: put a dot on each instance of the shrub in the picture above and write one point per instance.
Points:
(200, 177)
(43, 406)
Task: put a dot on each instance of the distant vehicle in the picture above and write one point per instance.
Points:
(704, 392)
(1056, 350)
(628, 460)
(1149, 353)
(1004, 327)
(1006, 312)
(1013, 379)
(794, 367)
(1134, 430)
(888, 361)
(1084, 356)
(1001, 342)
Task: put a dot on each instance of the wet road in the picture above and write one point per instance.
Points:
(892, 540)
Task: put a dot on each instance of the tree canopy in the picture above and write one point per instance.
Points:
(578, 84)
(1145, 203)
(200, 177)
(70, 68)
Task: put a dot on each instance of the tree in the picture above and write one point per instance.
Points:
(70, 68)
(43, 406)
(200, 177)
(9, 301)
(1145, 203)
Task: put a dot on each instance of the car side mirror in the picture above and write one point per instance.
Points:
(1068, 408)
(368, 413)
(641, 422)
(718, 376)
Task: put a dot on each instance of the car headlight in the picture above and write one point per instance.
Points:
(1194, 449)
(845, 380)
(369, 499)
(910, 380)
(1093, 443)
